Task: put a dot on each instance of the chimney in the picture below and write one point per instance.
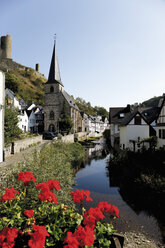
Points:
(37, 67)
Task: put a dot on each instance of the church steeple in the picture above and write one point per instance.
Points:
(54, 72)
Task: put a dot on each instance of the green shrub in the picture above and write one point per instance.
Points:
(53, 161)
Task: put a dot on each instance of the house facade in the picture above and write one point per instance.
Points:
(57, 99)
(160, 124)
(2, 103)
(116, 116)
(133, 130)
(12, 99)
(23, 121)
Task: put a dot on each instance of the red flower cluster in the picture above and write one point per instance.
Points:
(7, 237)
(10, 194)
(26, 177)
(95, 214)
(29, 213)
(80, 195)
(82, 237)
(107, 208)
(46, 190)
(37, 239)
(92, 217)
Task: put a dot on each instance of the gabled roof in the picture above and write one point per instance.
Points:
(150, 114)
(129, 118)
(115, 114)
(161, 104)
(54, 72)
(69, 100)
(29, 112)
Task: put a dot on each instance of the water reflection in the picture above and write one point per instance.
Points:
(141, 201)
(136, 213)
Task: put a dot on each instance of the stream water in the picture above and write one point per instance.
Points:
(95, 178)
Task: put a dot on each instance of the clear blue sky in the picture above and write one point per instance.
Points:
(111, 52)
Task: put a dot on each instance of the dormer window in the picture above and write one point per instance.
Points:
(51, 89)
(121, 115)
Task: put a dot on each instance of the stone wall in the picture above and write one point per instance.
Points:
(68, 138)
(82, 136)
(21, 145)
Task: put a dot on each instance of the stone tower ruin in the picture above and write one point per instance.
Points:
(5, 47)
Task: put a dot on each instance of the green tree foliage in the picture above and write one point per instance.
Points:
(26, 84)
(89, 110)
(65, 123)
(12, 131)
(153, 102)
(101, 111)
(11, 82)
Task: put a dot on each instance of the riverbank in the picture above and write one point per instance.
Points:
(139, 240)
(55, 160)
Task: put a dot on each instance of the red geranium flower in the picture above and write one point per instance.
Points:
(26, 177)
(29, 213)
(114, 211)
(92, 216)
(80, 195)
(53, 184)
(85, 236)
(37, 239)
(71, 240)
(107, 208)
(7, 237)
(10, 194)
(46, 194)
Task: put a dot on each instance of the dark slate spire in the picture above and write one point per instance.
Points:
(54, 72)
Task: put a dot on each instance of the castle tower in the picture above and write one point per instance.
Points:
(5, 47)
(53, 98)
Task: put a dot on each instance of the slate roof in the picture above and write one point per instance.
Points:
(129, 118)
(115, 117)
(150, 114)
(54, 72)
(28, 112)
(69, 100)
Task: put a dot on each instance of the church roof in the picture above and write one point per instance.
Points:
(69, 100)
(54, 72)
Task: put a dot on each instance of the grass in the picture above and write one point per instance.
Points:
(56, 161)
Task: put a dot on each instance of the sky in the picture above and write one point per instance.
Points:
(111, 52)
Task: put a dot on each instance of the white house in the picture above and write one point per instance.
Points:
(116, 116)
(31, 106)
(23, 121)
(31, 121)
(95, 125)
(160, 128)
(2, 103)
(133, 130)
(12, 99)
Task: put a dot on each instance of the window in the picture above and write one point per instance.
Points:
(163, 134)
(51, 89)
(121, 115)
(51, 116)
(137, 120)
(51, 128)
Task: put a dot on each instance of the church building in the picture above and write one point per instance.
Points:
(56, 99)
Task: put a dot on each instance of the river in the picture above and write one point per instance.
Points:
(95, 178)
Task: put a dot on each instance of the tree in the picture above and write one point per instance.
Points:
(65, 123)
(11, 128)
